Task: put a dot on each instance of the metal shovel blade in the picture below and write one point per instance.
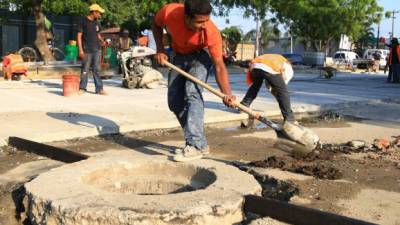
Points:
(305, 138)
(295, 138)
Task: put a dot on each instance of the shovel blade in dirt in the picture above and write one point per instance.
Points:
(306, 140)
(298, 139)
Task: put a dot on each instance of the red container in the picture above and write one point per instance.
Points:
(70, 84)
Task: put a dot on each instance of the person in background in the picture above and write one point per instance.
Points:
(197, 45)
(89, 44)
(389, 69)
(276, 71)
(71, 52)
(394, 60)
(125, 42)
(107, 53)
(376, 56)
(152, 42)
(144, 39)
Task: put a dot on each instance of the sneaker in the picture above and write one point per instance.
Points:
(102, 92)
(188, 153)
(81, 92)
(204, 151)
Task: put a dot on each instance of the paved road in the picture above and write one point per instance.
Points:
(37, 110)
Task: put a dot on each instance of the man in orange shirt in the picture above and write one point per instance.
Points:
(194, 38)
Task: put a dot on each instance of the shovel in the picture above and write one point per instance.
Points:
(297, 139)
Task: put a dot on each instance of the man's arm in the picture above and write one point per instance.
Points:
(80, 48)
(101, 39)
(158, 37)
(222, 79)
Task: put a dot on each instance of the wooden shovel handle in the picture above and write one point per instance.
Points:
(211, 89)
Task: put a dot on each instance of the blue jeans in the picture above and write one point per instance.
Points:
(185, 97)
(278, 86)
(91, 61)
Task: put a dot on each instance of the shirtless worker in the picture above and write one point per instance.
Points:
(197, 45)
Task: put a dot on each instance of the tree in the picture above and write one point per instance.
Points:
(321, 22)
(253, 8)
(366, 40)
(233, 36)
(268, 31)
(117, 12)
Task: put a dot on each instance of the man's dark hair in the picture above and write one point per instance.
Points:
(197, 7)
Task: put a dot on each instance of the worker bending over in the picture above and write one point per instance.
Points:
(276, 71)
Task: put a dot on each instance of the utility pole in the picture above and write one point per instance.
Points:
(393, 18)
(256, 52)
(377, 37)
(291, 44)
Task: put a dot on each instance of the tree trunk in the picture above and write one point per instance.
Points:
(328, 46)
(41, 39)
(316, 45)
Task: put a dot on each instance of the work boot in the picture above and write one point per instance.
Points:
(188, 153)
(102, 92)
(204, 151)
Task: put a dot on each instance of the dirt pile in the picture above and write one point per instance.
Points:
(327, 117)
(319, 169)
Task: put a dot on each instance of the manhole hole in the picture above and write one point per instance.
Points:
(151, 179)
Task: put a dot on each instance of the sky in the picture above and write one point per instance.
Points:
(246, 24)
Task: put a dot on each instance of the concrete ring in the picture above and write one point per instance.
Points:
(119, 187)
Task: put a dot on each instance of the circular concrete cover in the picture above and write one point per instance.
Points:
(120, 187)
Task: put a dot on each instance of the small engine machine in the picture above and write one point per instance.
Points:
(137, 70)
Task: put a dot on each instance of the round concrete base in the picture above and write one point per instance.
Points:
(119, 187)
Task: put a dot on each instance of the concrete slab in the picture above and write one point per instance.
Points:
(122, 187)
(35, 109)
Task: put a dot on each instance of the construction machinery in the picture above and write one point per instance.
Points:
(136, 68)
(14, 67)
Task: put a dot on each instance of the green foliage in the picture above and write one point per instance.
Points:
(117, 11)
(325, 20)
(268, 31)
(316, 21)
(255, 8)
(233, 36)
(367, 40)
(388, 14)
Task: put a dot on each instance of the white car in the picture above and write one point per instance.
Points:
(345, 57)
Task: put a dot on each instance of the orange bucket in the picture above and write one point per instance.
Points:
(70, 84)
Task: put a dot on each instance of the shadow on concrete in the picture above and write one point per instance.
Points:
(109, 131)
(59, 93)
(218, 106)
(49, 85)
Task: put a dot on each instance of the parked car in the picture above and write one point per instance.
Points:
(345, 57)
(369, 54)
(295, 59)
